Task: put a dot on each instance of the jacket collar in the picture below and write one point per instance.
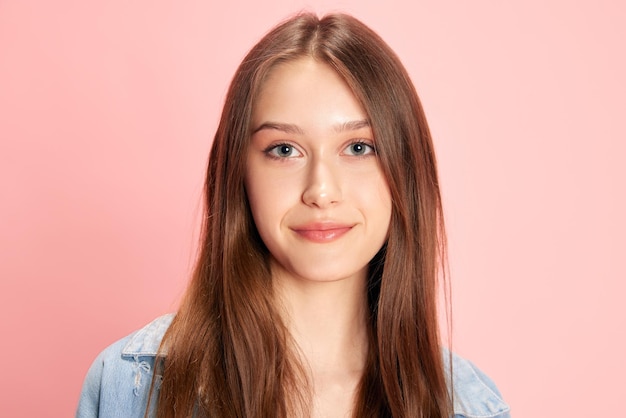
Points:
(474, 394)
(147, 340)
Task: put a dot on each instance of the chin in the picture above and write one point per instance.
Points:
(315, 274)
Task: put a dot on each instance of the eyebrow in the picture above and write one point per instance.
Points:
(353, 125)
(291, 128)
(288, 128)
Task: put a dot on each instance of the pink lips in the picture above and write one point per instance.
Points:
(321, 232)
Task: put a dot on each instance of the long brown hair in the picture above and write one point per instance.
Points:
(227, 352)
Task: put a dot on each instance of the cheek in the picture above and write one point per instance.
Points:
(382, 211)
(268, 201)
(374, 193)
(256, 191)
(385, 195)
(271, 189)
(385, 206)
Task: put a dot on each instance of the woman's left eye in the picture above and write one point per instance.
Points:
(360, 148)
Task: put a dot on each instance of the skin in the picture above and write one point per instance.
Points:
(322, 207)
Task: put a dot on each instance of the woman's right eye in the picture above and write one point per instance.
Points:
(283, 151)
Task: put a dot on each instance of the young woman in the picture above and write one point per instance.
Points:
(315, 290)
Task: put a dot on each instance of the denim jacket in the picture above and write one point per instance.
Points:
(118, 382)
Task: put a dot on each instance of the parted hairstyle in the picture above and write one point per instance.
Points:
(227, 352)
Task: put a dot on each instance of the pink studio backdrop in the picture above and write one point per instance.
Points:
(107, 110)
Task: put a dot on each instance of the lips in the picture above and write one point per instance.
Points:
(322, 232)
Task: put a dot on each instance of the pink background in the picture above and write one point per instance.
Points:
(107, 110)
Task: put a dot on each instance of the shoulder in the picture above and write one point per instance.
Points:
(475, 395)
(143, 343)
(146, 341)
(119, 379)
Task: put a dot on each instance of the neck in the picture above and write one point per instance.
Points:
(327, 321)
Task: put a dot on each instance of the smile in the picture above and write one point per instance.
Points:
(321, 232)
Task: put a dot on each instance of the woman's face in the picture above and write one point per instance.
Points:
(316, 190)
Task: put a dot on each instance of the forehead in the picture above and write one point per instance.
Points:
(304, 91)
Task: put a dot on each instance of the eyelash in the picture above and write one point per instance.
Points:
(366, 144)
(268, 151)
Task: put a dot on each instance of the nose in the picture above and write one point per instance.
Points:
(323, 188)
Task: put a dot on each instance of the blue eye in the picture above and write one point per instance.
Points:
(282, 151)
(359, 148)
